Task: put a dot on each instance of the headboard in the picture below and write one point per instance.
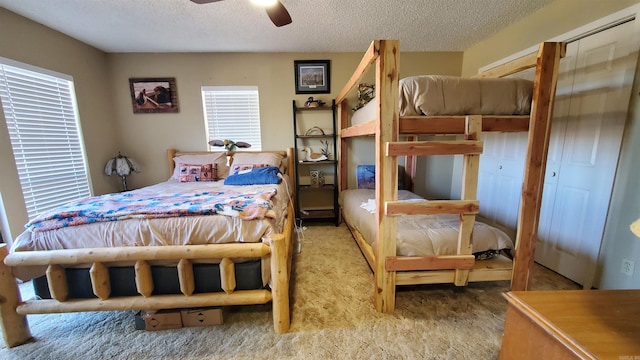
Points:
(286, 154)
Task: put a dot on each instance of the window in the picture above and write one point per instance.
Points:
(41, 114)
(232, 112)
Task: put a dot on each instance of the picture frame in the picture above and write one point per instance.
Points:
(153, 95)
(312, 76)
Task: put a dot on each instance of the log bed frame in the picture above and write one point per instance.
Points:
(277, 252)
(391, 270)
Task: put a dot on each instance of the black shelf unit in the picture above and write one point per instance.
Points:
(305, 191)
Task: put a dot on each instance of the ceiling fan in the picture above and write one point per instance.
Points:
(276, 11)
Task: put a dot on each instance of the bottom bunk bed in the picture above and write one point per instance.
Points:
(183, 243)
(428, 242)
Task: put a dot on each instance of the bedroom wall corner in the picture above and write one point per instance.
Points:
(559, 17)
(29, 42)
(618, 241)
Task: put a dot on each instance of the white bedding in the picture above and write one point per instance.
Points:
(185, 230)
(419, 235)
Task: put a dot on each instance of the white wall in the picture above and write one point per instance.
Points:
(619, 242)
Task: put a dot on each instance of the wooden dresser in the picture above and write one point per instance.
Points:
(572, 324)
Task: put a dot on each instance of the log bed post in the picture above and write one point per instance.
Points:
(280, 284)
(144, 279)
(538, 145)
(387, 69)
(15, 327)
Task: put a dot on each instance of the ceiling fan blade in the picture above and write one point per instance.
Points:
(278, 14)
(204, 1)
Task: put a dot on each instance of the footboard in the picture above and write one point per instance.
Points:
(13, 310)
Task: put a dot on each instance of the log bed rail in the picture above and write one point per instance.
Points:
(99, 275)
(390, 270)
(275, 253)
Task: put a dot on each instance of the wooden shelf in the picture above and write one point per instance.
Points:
(315, 136)
(318, 214)
(314, 188)
(319, 108)
(317, 162)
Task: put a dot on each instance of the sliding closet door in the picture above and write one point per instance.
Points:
(589, 118)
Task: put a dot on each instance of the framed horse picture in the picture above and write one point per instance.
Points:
(154, 95)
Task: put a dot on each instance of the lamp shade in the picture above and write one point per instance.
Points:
(635, 228)
(123, 166)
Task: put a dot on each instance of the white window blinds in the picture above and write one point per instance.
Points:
(232, 112)
(40, 111)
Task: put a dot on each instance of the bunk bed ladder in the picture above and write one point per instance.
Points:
(470, 167)
(467, 207)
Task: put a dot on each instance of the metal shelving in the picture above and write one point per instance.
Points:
(306, 194)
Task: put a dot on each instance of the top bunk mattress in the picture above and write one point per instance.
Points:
(433, 95)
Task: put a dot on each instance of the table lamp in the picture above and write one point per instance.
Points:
(635, 228)
(123, 166)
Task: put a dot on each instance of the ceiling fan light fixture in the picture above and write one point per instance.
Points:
(274, 8)
(264, 3)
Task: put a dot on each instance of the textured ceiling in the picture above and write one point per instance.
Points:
(239, 26)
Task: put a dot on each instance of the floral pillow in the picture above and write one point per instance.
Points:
(194, 173)
(200, 159)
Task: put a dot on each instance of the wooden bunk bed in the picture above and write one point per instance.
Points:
(387, 126)
(272, 253)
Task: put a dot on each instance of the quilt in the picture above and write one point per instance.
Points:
(247, 205)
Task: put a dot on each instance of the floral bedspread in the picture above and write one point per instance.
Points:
(247, 205)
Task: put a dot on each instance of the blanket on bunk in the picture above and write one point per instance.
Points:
(420, 235)
(434, 95)
(247, 205)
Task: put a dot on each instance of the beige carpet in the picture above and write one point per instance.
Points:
(332, 318)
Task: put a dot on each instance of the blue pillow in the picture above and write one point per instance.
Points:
(265, 175)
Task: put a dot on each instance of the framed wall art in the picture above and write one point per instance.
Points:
(154, 95)
(312, 76)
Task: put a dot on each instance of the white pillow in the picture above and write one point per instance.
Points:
(257, 158)
(201, 159)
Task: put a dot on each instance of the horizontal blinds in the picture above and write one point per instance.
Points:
(45, 136)
(233, 113)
